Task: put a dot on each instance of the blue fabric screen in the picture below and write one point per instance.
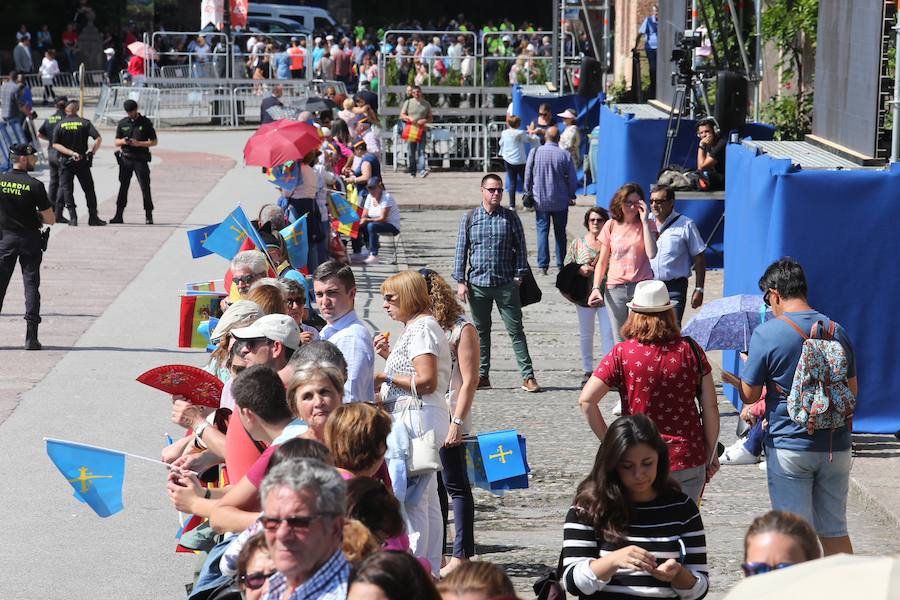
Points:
(835, 223)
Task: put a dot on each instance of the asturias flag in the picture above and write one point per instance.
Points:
(286, 176)
(344, 211)
(196, 238)
(501, 454)
(226, 240)
(296, 240)
(96, 474)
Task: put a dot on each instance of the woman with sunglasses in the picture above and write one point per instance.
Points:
(776, 540)
(544, 121)
(628, 242)
(585, 251)
(413, 387)
(254, 567)
(464, 374)
(631, 532)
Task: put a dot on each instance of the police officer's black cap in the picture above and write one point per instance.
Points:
(22, 150)
(61, 101)
(130, 105)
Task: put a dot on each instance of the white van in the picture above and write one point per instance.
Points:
(311, 18)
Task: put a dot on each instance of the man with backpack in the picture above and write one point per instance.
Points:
(808, 365)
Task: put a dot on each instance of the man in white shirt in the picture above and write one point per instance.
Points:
(455, 53)
(335, 288)
(680, 249)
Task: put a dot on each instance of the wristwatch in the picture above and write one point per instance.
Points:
(698, 289)
(456, 421)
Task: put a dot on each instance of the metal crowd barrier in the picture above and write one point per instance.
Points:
(67, 84)
(110, 111)
(448, 143)
(247, 99)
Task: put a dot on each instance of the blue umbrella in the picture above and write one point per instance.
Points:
(727, 323)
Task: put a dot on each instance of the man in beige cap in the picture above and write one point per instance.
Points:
(269, 341)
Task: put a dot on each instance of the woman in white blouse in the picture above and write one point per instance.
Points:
(49, 69)
(413, 385)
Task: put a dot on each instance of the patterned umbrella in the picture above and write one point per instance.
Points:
(727, 323)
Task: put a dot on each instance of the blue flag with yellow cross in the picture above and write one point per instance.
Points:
(296, 241)
(226, 239)
(501, 454)
(95, 474)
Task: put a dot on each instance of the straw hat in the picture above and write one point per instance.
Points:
(651, 297)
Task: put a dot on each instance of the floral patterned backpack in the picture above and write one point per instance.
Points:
(819, 397)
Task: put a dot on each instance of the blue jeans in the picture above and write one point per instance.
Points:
(374, 229)
(812, 484)
(515, 180)
(416, 157)
(542, 220)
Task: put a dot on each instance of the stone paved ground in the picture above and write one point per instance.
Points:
(522, 531)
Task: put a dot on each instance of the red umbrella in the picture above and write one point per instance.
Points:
(143, 50)
(278, 142)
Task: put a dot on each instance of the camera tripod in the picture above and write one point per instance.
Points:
(682, 103)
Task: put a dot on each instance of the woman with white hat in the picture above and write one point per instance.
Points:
(660, 374)
(570, 140)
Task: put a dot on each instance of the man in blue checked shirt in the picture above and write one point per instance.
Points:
(491, 260)
(550, 176)
(303, 518)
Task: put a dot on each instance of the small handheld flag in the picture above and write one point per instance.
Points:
(287, 176)
(344, 211)
(226, 240)
(195, 310)
(296, 241)
(96, 474)
(196, 238)
(501, 455)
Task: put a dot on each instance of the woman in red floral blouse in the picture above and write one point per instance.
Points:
(657, 372)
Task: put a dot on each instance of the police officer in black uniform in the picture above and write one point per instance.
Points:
(70, 139)
(135, 136)
(24, 206)
(46, 133)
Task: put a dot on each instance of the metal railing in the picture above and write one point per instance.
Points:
(68, 84)
(110, 111)
(448, 143)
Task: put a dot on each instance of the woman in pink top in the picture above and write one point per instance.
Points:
(627, 243)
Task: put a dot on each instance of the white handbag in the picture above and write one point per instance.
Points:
(424, 453)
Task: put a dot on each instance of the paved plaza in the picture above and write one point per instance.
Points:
(110, 307)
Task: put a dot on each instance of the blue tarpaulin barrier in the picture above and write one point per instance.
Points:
(632, 149)
(836, 224)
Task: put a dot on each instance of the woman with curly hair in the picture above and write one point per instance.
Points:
(631, 532)
(464, 357)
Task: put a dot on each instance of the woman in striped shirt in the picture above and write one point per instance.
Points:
(631, 532)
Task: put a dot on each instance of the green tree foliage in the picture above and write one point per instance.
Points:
(791, 26)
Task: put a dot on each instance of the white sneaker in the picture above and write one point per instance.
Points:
(358, 257)
(372, 259)
(762, 466)
(736, 454)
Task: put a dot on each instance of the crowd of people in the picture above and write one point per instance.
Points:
(339, 477)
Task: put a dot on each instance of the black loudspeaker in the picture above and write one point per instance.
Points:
(591, 82)
(731, 101)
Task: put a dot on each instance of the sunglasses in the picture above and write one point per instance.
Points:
(493, 191)
(271, 524)
(251, 344)
(631, 204)
(758, 568)
(295, 301)
(658, 200)
(766, 297)
(597, 220)
(254, 581)
(246, 279)
(390, 298)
